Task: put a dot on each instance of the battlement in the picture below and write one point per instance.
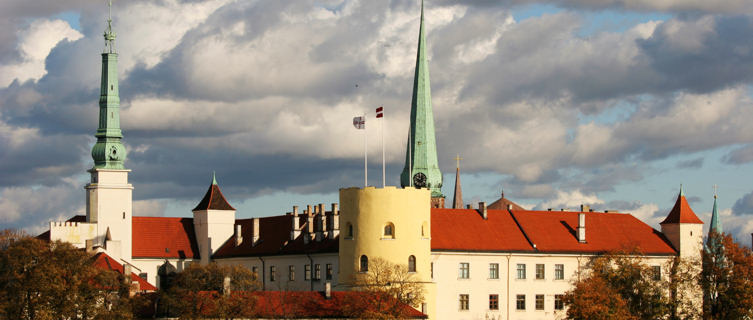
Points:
(75, 233)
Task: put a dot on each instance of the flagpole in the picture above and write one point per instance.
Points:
(365, 154)
(383, 165)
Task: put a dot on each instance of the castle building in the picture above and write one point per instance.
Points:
(497, 262)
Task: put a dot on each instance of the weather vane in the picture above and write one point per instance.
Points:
(109, 34)
(458, 158)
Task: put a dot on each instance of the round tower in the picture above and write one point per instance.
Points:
(389, 223)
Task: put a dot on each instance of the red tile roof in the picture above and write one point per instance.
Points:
(466, 230)
(555, 231)
(163, 237)
(502, 203)
(550, 231)
(274, 238)
(681, 213)
(312, 304)
(102, 260)
(213, 200)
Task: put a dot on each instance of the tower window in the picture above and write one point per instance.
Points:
(412, 263)
(389, 230)
(350, 231)
(364, 263)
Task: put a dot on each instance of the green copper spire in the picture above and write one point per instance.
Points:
(421, 165)
(214, 179)
(109, 152)
(715, 225)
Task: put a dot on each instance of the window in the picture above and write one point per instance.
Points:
(464, 302)
(350, 231)
(317, 271)
(493, 302)
(539, 302)
(432, 270)
(494, 271)
(329, 271)
(464, 270)
(559, 304)
(656, 273)
(389, 230)
(520, 302)
(272, 273)
(255, 272)
(424, 229)
(143, 275)
(521, 271)
(559, 271)
(291, 273)
(539, 271)
(364, 263)
(412, 264)
(307, 272)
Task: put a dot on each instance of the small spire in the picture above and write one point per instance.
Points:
(715, 224)
(682, 192)
(109, 34)
(457, 199)
(214, 178)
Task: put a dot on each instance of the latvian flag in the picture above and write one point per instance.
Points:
(359, 123)
(379, 112)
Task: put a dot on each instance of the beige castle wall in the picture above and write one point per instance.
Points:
(109, 204)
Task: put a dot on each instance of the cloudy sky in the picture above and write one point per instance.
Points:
(608, 103)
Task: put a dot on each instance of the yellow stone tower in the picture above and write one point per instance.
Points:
(389, 223)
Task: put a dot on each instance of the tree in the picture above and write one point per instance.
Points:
(45, 280)
(388, 288)
(727, 279)
(201, 291)
(622, 286)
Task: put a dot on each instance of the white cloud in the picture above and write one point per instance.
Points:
(35, 43)
(571, 200)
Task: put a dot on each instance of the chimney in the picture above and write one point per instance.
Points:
(468, 206)
(334, 209)
(295, 211)
(256, 230)
(238, 236)
(482, 208)
(582, 227)
(509, 207)
(328, 290)
(127, 274)
(308, 210)
(90, 246)
(321, 208)
(295, 229)
(226, 286)
(584, 208)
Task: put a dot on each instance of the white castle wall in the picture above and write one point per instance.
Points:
(75, 233)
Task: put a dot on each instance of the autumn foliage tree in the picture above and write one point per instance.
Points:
(54, 280)
(623, 286)
(727, 279)
(388, 288)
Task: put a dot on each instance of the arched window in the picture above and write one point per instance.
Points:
(350, 230)
(412, 263)
(389, 230)
(364, 263)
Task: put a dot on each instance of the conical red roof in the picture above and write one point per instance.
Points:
(213, 200)
(681, 213)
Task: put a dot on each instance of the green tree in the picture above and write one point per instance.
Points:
(727, 279)
(54, 280)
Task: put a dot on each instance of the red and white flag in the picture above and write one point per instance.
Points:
(379, 112)
(359, 123)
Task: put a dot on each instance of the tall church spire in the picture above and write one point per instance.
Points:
(421, 165)
(457, 199)
(715, 224)
(109, 152)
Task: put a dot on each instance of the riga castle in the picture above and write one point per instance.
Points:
(479, 261)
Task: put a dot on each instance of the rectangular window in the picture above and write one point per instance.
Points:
(521, 271)
(329, 271)
(494, 271)
(317, 271)
(540, 271)
(539, 302)
(464, 302)
(291, 273)
(272, 273)
(464, 270)
(432, 270)
(255, 272)
(520, 302)
(307, 272)
(559, 304)
(559, 271)
(657, 273)
(493, 302)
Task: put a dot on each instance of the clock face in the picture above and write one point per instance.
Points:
(419, 180)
